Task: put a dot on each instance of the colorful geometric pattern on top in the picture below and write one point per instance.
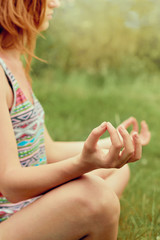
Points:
(28, 125)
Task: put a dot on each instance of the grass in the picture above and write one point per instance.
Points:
(77, 102)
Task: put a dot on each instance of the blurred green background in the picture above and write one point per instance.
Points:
(103, 65)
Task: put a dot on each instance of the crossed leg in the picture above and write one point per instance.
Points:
(84, 208)
(116, 179)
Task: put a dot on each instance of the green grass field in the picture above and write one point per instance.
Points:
(104, 66)
(77, 102)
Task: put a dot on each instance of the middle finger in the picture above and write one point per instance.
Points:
(116, 146)
(128, 150)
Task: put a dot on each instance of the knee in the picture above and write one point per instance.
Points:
(111, 208)
(105, 208)
(101, 203)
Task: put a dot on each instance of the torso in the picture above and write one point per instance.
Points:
(27, 119)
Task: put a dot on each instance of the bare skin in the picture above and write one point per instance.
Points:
(82, 180)
(71, 211)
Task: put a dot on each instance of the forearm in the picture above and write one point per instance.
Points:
(19, 184)
(62, 150)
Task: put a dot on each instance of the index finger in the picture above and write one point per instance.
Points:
(94, 136)
(115, 139)
(131, 121)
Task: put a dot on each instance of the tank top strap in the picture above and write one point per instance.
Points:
(11, 79)
(19, 97)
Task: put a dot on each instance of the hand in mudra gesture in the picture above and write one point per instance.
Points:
(144, 134)
(122, 151)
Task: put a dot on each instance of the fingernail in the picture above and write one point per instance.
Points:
(103, 125)
(108, 123)
(136, 135)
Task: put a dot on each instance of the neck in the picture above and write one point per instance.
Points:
(11, 54)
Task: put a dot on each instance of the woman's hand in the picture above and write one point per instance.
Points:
(93, 157)
(144, 134)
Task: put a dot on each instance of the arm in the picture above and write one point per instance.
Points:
(18, 184)
(58, 151)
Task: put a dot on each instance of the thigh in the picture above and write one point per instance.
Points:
(59, 214)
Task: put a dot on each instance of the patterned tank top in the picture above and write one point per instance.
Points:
(28, 125)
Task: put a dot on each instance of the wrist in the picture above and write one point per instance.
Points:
(82, 165)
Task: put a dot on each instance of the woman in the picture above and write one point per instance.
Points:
(53, 190)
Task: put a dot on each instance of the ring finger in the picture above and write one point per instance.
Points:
(137, 147)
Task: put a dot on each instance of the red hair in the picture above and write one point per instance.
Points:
(20, 21)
